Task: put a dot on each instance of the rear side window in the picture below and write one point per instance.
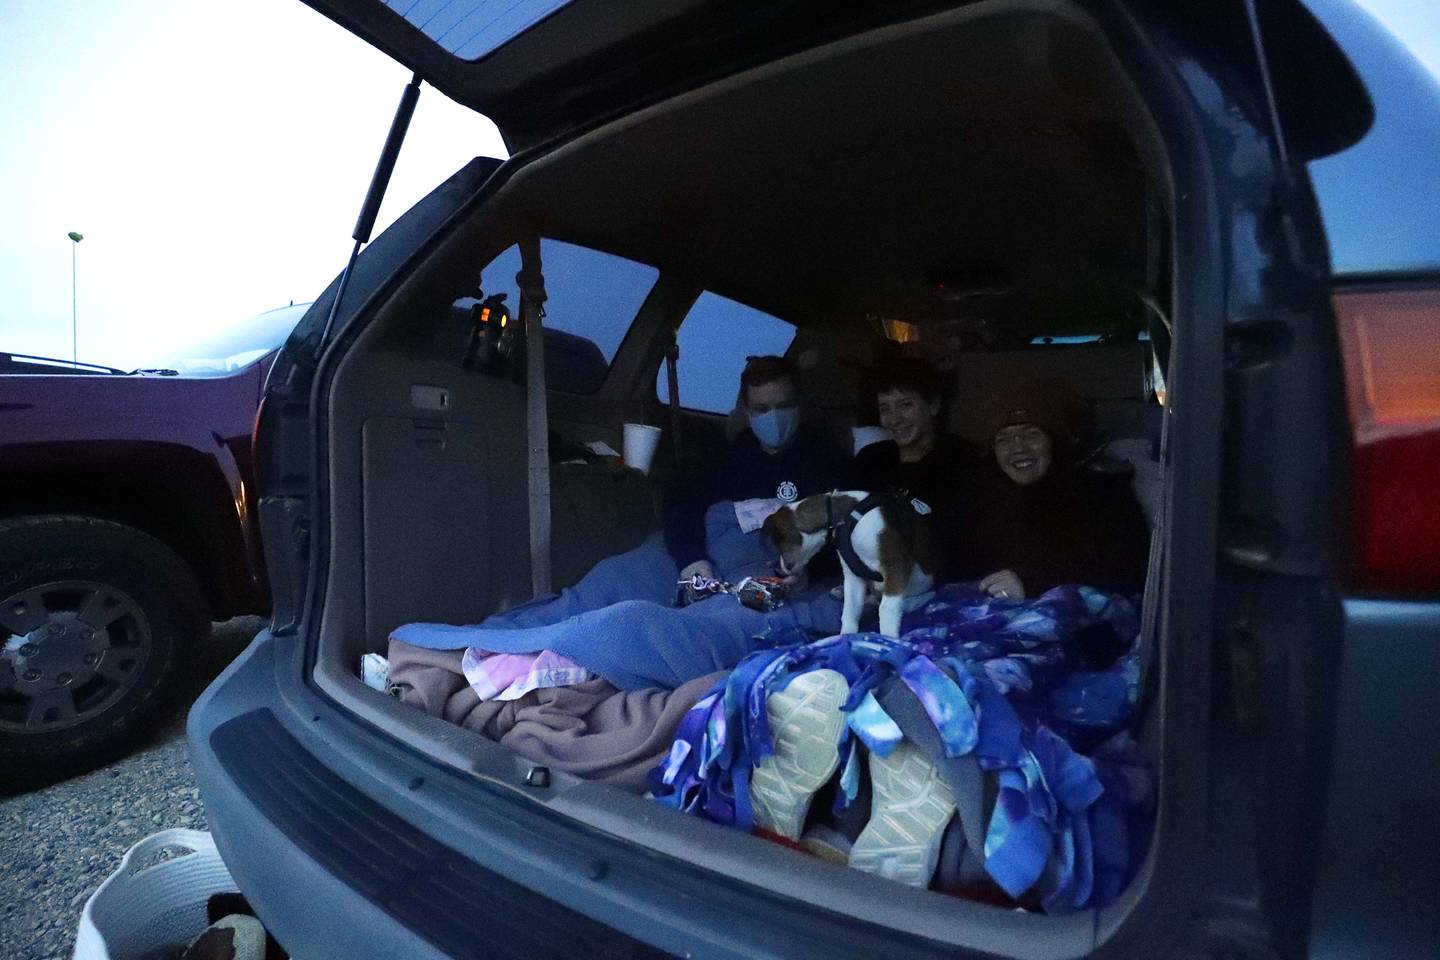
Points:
(716, 337)
(591, 300)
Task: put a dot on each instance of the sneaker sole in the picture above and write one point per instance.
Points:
(907, 821)
(805, 722)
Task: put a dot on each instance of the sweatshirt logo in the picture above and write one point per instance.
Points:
(787, 492)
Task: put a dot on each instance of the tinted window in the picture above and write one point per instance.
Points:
(472, 28)
(591, 300)
(715, 338)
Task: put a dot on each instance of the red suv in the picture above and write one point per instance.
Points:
(126, 527)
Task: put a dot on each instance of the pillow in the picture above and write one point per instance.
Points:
(736, 554)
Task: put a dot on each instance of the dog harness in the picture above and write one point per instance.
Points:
(839, 532)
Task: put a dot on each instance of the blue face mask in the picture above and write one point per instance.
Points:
(775, 428)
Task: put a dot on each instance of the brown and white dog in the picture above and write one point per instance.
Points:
(896, 547)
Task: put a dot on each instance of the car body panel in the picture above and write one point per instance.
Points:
(71, 443)
(1376, 884)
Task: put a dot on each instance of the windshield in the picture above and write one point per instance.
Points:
(228, 349)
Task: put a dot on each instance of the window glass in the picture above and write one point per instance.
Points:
(1066, 341)
(472, 28)
(716, 337)
(591, 300)
(224, 351)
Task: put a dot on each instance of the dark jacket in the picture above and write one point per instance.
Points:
(945, 479)
(1072, 527)
(810, 464)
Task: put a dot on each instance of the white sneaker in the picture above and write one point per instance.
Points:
(912, 803)
(805, 722)
(827, 843)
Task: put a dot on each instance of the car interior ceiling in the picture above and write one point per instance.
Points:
(995, 148)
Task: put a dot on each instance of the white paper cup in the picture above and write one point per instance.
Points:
(640, 443)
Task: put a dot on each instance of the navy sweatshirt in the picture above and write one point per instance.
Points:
(1073, 526)
(810, 464)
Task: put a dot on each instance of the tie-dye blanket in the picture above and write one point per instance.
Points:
(1022, 686)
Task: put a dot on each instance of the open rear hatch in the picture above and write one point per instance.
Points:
(540, 68)
(947, 182)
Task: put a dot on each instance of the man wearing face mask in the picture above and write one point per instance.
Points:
(773, 458)
(620, 621)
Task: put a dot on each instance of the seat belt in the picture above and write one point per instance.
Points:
(537, 415)
(1155, 574)
(672, 379)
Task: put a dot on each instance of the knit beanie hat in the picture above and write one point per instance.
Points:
(1049, 404)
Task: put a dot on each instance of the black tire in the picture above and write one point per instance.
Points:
(99, 622)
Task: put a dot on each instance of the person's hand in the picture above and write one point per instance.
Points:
(700, 568)
(1004, 584)
(797, 581)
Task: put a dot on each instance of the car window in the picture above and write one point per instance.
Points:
(591, 300)
(472, 28)
(716, 337)
(226, 350)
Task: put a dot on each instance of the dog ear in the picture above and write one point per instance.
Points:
(810, 514)
(780, 525)
(770, 526)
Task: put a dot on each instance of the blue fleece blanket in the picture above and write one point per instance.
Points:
(1011, 683)
(619, 621)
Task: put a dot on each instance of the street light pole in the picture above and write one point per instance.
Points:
(75, 239)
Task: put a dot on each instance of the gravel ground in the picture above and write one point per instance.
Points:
(58, 844)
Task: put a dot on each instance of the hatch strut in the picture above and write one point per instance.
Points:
(378, 183)
(672, 381)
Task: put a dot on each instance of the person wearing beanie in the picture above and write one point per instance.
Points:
(1046, 521)
(921, 460)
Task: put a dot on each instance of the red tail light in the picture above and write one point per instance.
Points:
(1390, 342)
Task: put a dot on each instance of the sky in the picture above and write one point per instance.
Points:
(214, 155)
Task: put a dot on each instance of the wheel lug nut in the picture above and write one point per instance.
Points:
(91, 659)
(56, 629)
(64, 678)
(32, 675)
(27, 650)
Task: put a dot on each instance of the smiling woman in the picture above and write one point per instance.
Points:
(1046, 519)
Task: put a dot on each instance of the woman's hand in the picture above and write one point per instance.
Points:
(1004, 584)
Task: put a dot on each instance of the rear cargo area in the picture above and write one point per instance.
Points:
(980, 188)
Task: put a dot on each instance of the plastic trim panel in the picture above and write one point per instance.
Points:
(429, 888)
